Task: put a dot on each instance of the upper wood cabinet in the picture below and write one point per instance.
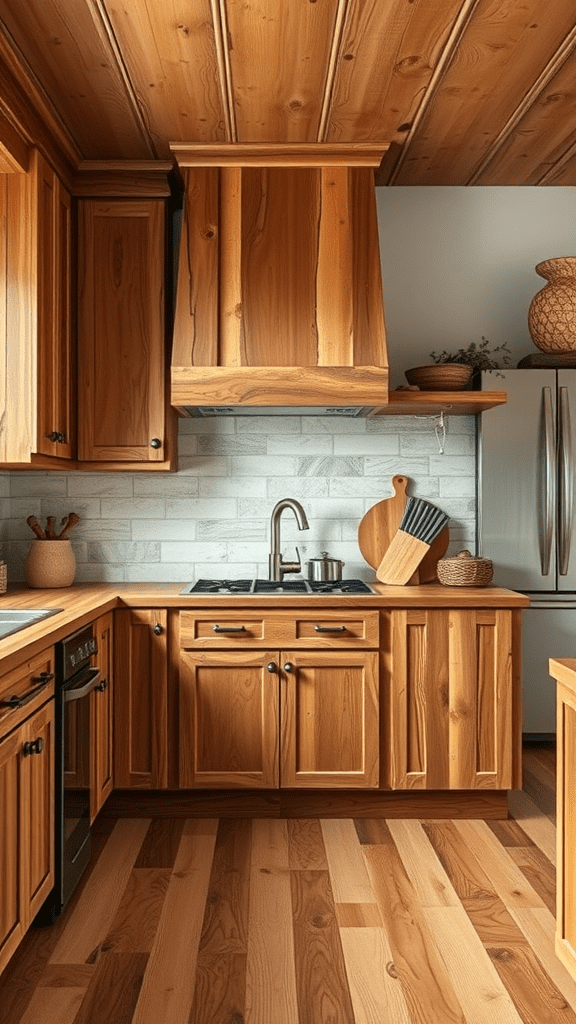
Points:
(123, 414)
(453, 685)
(36, 355)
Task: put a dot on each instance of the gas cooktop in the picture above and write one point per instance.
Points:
(272, 587)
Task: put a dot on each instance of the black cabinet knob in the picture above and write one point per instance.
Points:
(272, 667)
(288, 667)
(33, 747)
(102, 686)
(57, 437)
(155, 442)
(158, 629)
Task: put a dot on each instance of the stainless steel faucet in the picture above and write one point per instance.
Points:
(276, 567)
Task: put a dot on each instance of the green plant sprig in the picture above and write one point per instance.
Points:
(479, 356)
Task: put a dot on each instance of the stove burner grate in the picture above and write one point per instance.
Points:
(256, 587)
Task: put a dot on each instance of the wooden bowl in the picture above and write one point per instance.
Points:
(440, 376)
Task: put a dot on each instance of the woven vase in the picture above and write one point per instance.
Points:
(552, 313)
(50, 563)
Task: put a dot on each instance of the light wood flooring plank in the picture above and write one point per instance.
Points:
(505, 876)
(483, 997)
(220, 994)
(429, 993)
(53, 1006)
(534, 822)
(321, 982)
(538, 927)
(358, 915)
(459, 860)
(134, 927)
(347, 867)
(376, 992)
(168, 986)
(270, 972)
(114, 989)
(306, 845)
(92, 916)
(425, 871)
(535, 996)
(539, 872)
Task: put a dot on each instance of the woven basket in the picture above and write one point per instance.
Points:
(3, 578)
(464, 571)
(440, 376)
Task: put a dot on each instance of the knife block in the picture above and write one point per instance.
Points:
(50, 563)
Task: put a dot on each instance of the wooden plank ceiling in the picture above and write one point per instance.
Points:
(468, 92)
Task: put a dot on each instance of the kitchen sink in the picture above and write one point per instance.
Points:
(260, 588)
(14, 619)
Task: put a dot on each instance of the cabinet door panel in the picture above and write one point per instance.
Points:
(450, 676)
(228, 719)
(141, 699)
(329, 714)
(101, 771)
(38, 820)
(12, 923)
(121, 331)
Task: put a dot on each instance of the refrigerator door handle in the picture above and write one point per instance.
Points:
(565, 485)
(547, 483)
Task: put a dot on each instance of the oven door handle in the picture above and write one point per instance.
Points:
(77, 692)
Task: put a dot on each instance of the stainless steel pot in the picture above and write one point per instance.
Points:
(324, 568)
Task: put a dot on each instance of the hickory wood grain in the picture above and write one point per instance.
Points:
(315, 921)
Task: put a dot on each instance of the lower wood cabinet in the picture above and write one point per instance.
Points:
(26, 825)
(141, 750)
(290, 717)
(453, 695)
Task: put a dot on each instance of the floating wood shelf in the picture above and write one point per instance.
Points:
(432, 403)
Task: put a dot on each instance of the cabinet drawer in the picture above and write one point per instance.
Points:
(33, 679)
(318, 627)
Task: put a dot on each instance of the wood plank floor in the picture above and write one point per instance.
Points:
(307, 921)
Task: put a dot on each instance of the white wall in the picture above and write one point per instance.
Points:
(458, 264)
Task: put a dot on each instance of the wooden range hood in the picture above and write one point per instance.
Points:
(279, 293)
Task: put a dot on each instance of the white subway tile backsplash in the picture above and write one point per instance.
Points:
(162, 485)
(297, 487)
(232, 486)
(118, 552)
(301, 444)
(366, 444)
(267, 465)
(232, 444)
(136, 508)
(330, 466)
(212, 518)
(100, 485)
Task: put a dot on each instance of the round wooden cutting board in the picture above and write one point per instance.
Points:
(381, 522)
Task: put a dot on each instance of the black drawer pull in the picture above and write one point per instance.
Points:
(330, 629)
(229, 629)
(18, 702)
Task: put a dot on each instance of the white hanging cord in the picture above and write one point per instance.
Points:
(440, 431)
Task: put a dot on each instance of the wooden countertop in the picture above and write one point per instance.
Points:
(83, 602)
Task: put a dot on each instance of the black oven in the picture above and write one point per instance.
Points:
(76, 677)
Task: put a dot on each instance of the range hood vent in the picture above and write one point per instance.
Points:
(279, 293)
(277, 410)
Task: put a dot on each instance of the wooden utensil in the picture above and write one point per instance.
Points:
(69, 525)
(378, 527)
(50, 531)
(36, 528)
(420, 524)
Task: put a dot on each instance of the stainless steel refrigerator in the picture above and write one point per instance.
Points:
(526, 452)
